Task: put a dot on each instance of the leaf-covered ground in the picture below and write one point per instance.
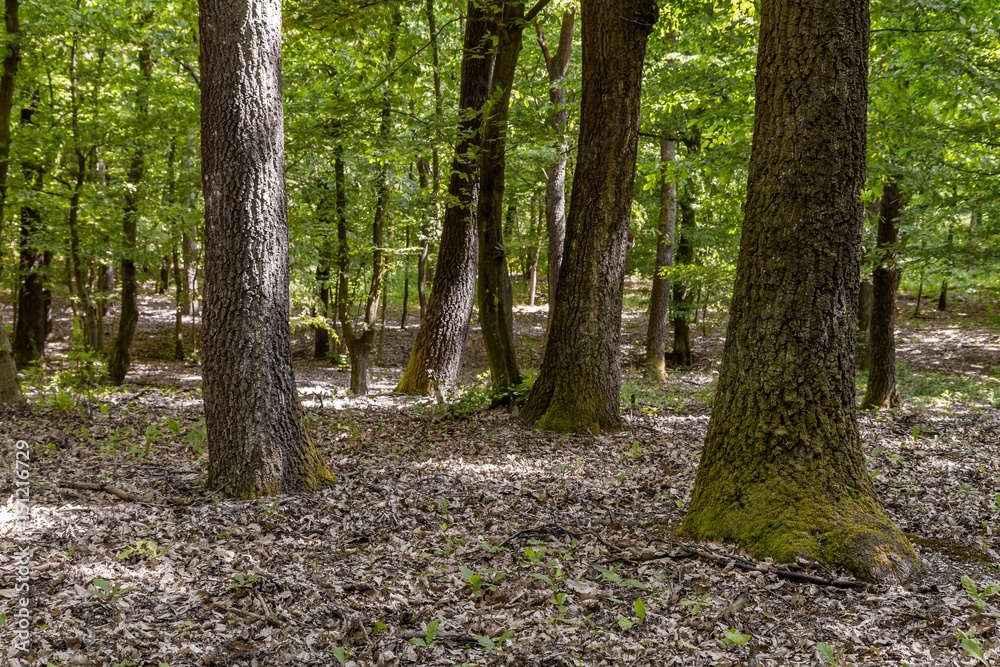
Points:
(488, 543)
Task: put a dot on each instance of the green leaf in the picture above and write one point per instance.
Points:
(734, 636)
(640, 609)
(825, 651)
(625, 623)
(485, 642)
(340, 653)
(972, 648)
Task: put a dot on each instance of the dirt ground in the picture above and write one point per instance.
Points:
(454, 539)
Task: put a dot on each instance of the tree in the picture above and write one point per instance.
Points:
(258, 444)
(882, 390)
(580, 376)
(10, 388)
(659, 299)
(557, 66)
(437, 353)
(782, 470)
(682, 299)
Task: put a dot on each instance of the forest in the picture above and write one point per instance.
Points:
(500, 332)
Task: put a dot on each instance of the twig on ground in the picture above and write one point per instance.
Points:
(441, 637)
(121, 494)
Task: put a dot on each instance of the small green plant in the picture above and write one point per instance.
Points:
(196, 438)
(341, 654)
(243, 581)
(481, 581)
(144, 548)
(734, 637)
(108, 592)
(827, 655)
(634, 452)
(971, 645)
(495, 645)
(184, 628)
(615, 578)
(639, 607)
(271, 511)
(430, 634)
(695, 606)
(979, 596)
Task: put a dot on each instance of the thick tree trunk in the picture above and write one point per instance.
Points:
(882, 390)
(659, 300)
(943, 297)
(10, 387)
(121, 353)
(865, 298)
(258, 443)
(683, 299)
(578, 385)
(557, 66)
(782, 470)
(495, 295)
(437, 353)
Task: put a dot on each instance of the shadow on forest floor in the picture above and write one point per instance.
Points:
(520, 547)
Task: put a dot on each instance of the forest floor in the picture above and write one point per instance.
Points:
(484, 541)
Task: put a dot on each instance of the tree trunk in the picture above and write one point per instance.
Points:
(121, 353)
(10, 387)
(495, 295)
(321, 344)
(683, 299)
(659, 300)
(578, 385)
(30, 325)
(434, 208)
(178, 309)
(406, 283)
(943, 297)
(557, 66)
(258, 443)
(437, 353)
(882, 390)
(782, 471)
(865, 299)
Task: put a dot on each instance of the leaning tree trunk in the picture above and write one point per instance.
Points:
(557, 66)
(437, 353)
(10, 388)
(683, 301)
(578, 385)
(782, 471)
(121, 353)
(882, 390)
(659, 300)
(496, 300)
(258, 443)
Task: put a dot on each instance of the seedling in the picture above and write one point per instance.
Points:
(615, 578)
(495, 645)
(826, 653)
(979, 596)
(430, 632)
(107, 591)
(695, 606)
(341, 654)
(971, 645)
(734, 637)
(480, 581)
(243, 581)
(144, 548)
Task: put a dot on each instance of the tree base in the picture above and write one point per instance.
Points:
(852, 533)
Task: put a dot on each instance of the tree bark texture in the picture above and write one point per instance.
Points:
(683, 297)
(659, 299)
(496, 300)
(32, 313)
(557, 65)
(438, 350)
(882, 391)
(121, 353)
(578, 385)
(258, 444)
(782, 470)
(10, 387)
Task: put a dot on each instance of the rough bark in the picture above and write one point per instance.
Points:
(321, 346)
(431, 221)
(178, 310)
(578, 385)
(882, 391)
(10, 387)
(557, 66)
(782, 469)
(121, 352)
(659, 299)
(437, 353)
(30, 326)
(257, 441)
(683, 298)
(496, 299)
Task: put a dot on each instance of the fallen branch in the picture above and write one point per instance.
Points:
(113, 490)
(543, 529)
(441, 637)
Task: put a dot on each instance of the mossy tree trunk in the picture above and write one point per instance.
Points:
(782, 470)
(436, 358)
(578, 385)
(257, 441)
(882, 390)
(659, 299)
(496, 300)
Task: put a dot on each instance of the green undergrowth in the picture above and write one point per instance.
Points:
(940, 389)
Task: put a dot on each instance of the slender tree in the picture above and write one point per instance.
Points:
(580, 377)
(882, 390)
(257, 440)
(659, 299)
(32, 312)
(782, 470)
(10, 388)
(557, 65)
(121, 352)
(437, 353)
(683, 298)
